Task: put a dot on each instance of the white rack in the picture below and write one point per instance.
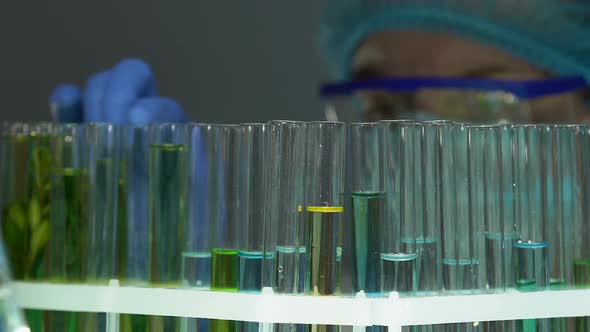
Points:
(267, 307)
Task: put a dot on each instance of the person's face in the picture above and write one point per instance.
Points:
(415, 54)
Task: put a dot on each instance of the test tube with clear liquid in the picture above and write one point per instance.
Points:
(531, 250)
(286, 144)
(252, 200)
(167, 207)
(462, 199)
(105, 170)
(196, 259)
(324, 182)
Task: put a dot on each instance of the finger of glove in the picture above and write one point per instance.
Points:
(130, 80)
(156, 109)
(93, 97)
(65, 104)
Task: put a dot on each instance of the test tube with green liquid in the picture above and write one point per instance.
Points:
(224, 228)
(581, 226)
(167, 210)
(68, 239)
(105, 147)
(531, 250)
(368, 202)
(324, 182)
(133, 227)
(253, 170)
(25, 169)
(286, 142)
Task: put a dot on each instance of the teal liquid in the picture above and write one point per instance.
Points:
(499, 264)
(582, 280)
(399, 272)
(367, 211)
(532, 274)
(251, 263)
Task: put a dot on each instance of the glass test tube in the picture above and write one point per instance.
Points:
(104, 169)
(368, 201)
(68, 232)
(252, 201)
(224, 227)
(463, 234)
(133, 222)
(324, 181)
(531, 250)
(581, 227)
(167, 204)
(398, 253)
(429, 249)
(286, 165)
(25, 166)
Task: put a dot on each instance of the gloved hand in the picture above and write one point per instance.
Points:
(125, 93)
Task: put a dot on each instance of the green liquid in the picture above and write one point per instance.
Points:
(367, 213)
(167, 212)
(582, 280)
(26, 186)
(323, 251)
(224, 277)
(167, 208)
(68, 246)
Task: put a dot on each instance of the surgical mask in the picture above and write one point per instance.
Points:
(459, 99)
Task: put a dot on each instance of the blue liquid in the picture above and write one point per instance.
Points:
(251, 263)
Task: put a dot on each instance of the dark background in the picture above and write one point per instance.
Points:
(225, 61)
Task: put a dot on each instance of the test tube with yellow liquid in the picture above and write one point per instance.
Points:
(324, 210)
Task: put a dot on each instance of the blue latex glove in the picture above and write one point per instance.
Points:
(125, 93)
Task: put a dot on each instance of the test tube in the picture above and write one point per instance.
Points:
(133, 226)
(324, 181)
(104, 169)
(398, 248)
(581, 227)
(253, 167)
(462, 224)
(25, 176)
(531, 250)
(167, 204)
(224, 228)
(68, 234)
(429, 250)
(286, 145)
(367, 201)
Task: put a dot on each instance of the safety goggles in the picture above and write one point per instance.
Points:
(554, 100)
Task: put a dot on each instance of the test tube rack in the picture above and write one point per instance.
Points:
(358, 311)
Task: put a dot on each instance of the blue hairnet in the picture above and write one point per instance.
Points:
(551, 34)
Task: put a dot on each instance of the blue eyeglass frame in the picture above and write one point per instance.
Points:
(527, 89)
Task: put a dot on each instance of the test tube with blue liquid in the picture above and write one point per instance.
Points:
(287, 146)
(397, 238)
(531, 250)
(324, 182)
(252, 174)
